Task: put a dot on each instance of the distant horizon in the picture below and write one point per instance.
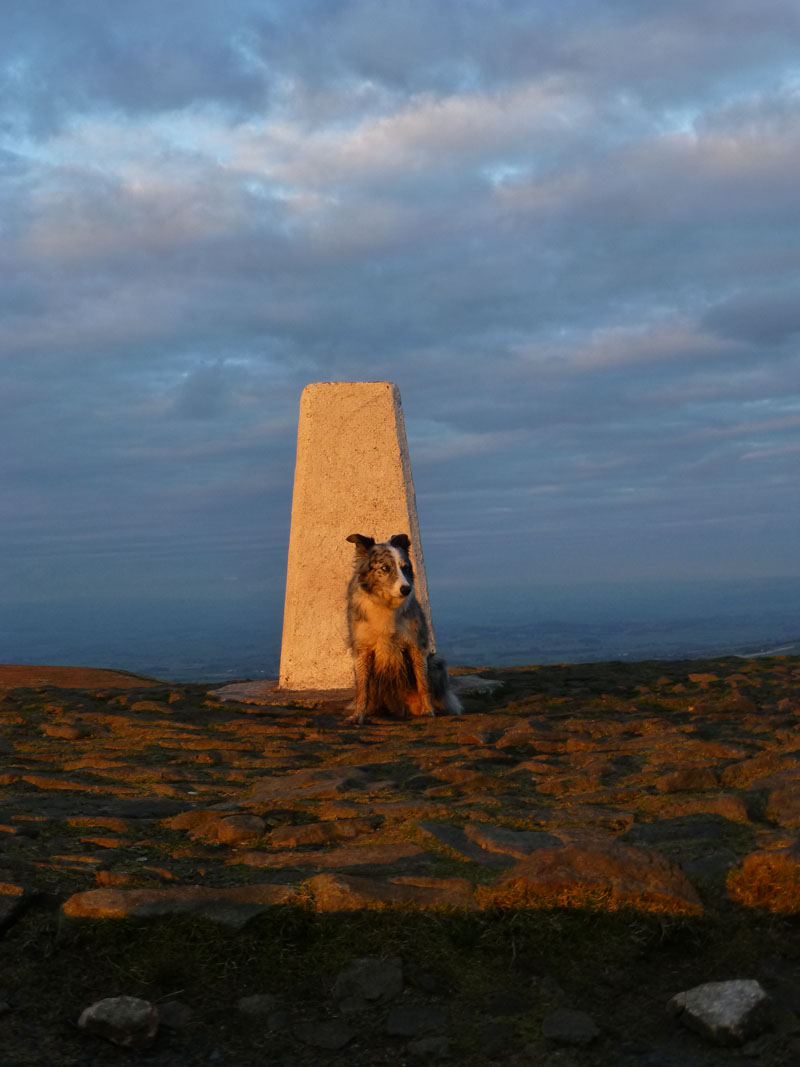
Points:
(206, 639)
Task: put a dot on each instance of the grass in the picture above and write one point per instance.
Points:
(297, 951)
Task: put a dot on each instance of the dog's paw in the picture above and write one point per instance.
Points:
(418, 706)
(356, 719)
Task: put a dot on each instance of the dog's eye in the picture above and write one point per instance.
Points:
(383, 569)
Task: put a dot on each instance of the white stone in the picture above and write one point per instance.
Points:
(726, 1012)
(352, 475)
(126, 1021)
(474, 685)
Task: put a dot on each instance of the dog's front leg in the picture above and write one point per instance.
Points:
(362, 687)
(420, 664)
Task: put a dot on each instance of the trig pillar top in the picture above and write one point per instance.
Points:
(352, 475)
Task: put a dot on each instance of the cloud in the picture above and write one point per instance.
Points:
(765, 318)
(62, 59)
(569, 232)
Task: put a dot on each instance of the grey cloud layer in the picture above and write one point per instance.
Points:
(569, 231)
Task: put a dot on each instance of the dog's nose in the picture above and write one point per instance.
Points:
(405, 590)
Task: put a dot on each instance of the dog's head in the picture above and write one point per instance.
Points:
(384, 568)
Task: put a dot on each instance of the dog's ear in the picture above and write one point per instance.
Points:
(363, 544)
(400, 541)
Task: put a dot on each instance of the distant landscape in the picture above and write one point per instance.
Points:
(197, 640)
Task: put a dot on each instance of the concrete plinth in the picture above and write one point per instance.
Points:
(352, 475)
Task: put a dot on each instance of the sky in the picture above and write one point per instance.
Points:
(569, 230)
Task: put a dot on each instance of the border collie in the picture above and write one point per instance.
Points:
(389, 637)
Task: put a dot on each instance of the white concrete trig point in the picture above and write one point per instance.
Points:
(352, 475)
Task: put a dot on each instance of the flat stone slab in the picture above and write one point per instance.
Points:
(455, 838)
(519, 843)
(232, 907)
(345, 892)
(269, 693)
(315, 782)
(323, 833)
(346, 856)
(474, 685)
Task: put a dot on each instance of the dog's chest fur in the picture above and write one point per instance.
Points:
(384, 630)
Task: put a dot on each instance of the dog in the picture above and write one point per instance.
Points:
(394, 667)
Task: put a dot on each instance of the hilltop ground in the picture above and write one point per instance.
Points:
(590, 839)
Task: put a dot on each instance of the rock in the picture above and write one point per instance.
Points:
(713, 865)
(193, 819)
(125, 1021)
(112, 878)
(455, 838)
(347, 892)
(233, 907)
(67, 731)
(469, 685)
(768, 879)
(706, 830)
(327, 1034)
(519, 843)
(727, 1013)
(569, 1027)
(622, 875)
(428, 1048)
(258, 1004)
(783, 806)
(310, 782)
(586, 816)
(370, 978)
(240, 829)
(728, 806)
(687, 779)
(151, 705)
(175, 1015)
(744, 773)
(321, 833)
(411, 1020)
(379, 855)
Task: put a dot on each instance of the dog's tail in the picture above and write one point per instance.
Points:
(452, 703)
(439, 682)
